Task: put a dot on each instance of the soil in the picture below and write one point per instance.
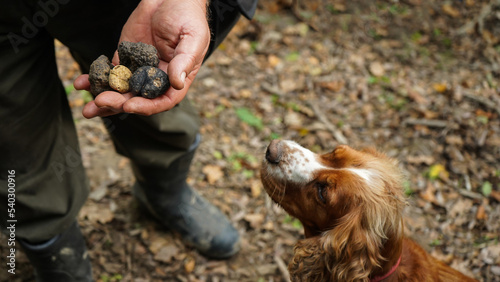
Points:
(415, 79)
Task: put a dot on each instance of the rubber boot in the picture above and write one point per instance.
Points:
(63, 258)
(181, 209)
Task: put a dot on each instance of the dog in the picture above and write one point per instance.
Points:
(350, 204)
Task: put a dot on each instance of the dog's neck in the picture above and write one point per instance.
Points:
(391, 250)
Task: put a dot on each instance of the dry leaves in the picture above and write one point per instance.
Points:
(213, 173)
(377, 69)
(96, 213)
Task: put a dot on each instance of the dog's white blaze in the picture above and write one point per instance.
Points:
(366, 174)
(299, 163)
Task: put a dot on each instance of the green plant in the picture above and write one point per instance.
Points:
(407, 188)
(292, 56)
(86, 96)
(486, 189)
(238, 159)
(246, 116)
(68, 89)
(293, 221)
(436, 242)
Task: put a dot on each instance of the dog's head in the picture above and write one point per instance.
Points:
(352, 198)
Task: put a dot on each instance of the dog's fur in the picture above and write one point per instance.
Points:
(350, 204)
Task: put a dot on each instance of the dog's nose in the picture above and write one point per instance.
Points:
(273, 152)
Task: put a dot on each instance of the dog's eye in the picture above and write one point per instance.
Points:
(322, 191)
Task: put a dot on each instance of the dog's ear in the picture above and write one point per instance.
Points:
(352, 250)
(308, 262)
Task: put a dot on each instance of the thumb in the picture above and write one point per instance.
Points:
(179, 68)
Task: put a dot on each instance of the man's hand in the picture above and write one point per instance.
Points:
(180, 32)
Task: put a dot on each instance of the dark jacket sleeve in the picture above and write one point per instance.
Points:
(247, 7)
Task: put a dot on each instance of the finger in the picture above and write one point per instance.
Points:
(188, 57)
(178, 69)
(116, 60)
(82, 82)
(147, 107)
(90, 110)
(112, 100)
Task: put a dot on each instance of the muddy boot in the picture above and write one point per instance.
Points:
(63, 258)
(181, 209)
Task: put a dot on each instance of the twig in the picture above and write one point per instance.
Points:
(429, 123)
(282, 267)
(469, 194)
(296, 13)
(484, 101)
(337, 134)
(271, 89)
(479, 20)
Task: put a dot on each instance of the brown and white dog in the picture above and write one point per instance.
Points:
(350, 203)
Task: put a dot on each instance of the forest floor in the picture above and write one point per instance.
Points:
(416, 79)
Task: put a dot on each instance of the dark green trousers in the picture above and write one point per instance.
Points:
(37, 135)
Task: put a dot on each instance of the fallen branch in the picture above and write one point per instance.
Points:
(337, 134)
(484, 101)
(469, 194)
(271, 89)
(296, 12)
(282, 267)
(479, 20)
(430, 123)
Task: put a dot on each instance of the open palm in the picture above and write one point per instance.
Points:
(180, 32)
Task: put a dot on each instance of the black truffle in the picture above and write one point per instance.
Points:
(99, 75)
(134, 55)
(149, 82)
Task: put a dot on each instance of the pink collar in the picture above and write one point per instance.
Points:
(380, 278)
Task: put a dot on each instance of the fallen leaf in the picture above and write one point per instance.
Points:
(428, 194)
(440, 87)
(213, 173)
(97, 213)
(268, 226)
(438, 171)
(481, 211)
(123, 162)
(428, 160)
(273, 60)
(158, 242)
(256, 188)
(293, 120)
(334, 86)
(245, 93)
(496, 195)
(189, 264)
(340, 7)
(220, 269)
(300, 29)
(377, 69)
(166, 253)
(255, 220)
(454, 140)
(417, 97)
(489, 37)
(450, 11)
(99, 193)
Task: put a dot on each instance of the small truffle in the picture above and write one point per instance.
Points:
(119, 77)
(134, 55)
(149, 82)
(99, 75)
